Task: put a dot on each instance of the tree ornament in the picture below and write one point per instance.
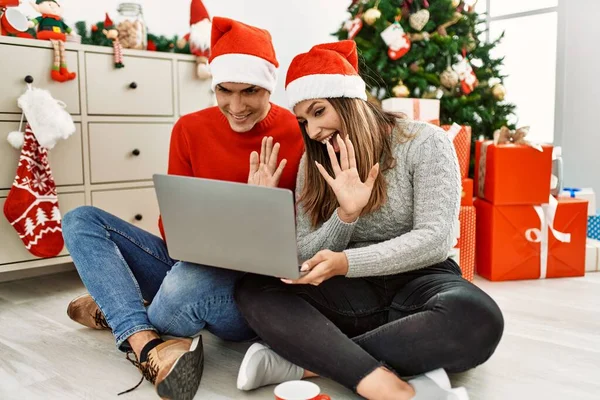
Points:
(499, 92)
(353, 26)
(449, 78)
(455, 3)
(372, 15)
(419, 19)
(397, 40)
(400, 90)
(466, 75)
(441, 30)
(472, 43)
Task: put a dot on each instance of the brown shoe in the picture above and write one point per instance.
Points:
(174, 368)
(83, 309)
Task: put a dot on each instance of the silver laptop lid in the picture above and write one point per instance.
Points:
(229, 225)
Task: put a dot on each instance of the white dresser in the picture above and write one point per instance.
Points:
(123, 119)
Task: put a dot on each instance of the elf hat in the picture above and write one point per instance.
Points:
(198, 12)
(328, 70)
(108, 23)
(242, 53)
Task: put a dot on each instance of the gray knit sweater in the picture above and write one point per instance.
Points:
(414, 228)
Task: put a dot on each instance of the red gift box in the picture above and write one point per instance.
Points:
(461, 138)
(509, 174)
(466, 242)
(466, 195)
(531, 241)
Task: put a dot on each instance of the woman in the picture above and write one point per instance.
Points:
(377, 203)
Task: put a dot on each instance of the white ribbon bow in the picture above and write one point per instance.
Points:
(546, 214)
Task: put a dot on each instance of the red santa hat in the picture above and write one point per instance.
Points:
(328, 70)
(242, 53)
(198, 12)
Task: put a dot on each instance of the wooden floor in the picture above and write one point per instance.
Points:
(550, 350)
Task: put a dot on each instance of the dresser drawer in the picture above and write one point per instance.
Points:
(66, 159)
(128, 152)
(17, 62)
(136, 206)
(11, 246)
(143, 87)
(194, 94)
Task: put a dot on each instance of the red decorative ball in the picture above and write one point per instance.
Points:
(94, 28)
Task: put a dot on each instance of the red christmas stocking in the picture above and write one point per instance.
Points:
(32, 205)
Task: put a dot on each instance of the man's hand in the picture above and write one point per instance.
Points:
(324, 265)
(263, 168)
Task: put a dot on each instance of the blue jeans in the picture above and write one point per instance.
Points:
(122, 265)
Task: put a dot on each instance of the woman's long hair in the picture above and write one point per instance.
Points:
(371, 131)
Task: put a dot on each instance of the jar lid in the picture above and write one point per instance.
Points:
(130, 7)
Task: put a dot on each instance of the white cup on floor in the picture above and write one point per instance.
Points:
(299, 390)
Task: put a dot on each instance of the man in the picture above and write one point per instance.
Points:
(123, 266)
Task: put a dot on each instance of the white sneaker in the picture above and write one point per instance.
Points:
(261, 366)
(435, 385)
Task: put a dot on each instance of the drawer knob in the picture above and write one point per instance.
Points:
(133, 85)
(135, 152)
(138, 217)
(29, 79)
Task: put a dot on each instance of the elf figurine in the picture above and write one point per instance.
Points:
(199, 38)
(50, 26)
(113, 34)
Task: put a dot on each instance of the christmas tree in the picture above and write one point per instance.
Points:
(430, 49)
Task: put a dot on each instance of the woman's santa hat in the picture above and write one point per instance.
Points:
(242, 53)
(327, 71)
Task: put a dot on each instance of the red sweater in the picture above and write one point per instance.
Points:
(203, 145)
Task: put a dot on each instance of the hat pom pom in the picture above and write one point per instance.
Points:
(16, 139)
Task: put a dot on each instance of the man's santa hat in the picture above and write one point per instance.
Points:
(199, 36)
(242, 53)
(327, 71)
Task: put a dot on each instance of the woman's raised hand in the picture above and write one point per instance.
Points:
(351, 192)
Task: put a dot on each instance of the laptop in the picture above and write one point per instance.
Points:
(229, 225)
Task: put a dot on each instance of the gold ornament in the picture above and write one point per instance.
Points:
(449, 78)
(472, 44)
(400, 90)
(371, 15)
(419, 19)
(455, 3)
(499, 92)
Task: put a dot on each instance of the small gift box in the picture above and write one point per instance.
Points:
(512, 171)
(531, 241)
(584, 194)
(466, 195)
(427, 110)
(592, 255)
(593, 226)
(461, 138)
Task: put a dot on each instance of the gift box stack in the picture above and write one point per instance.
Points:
(428, 110)
(465, 246)
(592, 253)
(522, 231)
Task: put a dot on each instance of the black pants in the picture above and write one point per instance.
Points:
(345, 328)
